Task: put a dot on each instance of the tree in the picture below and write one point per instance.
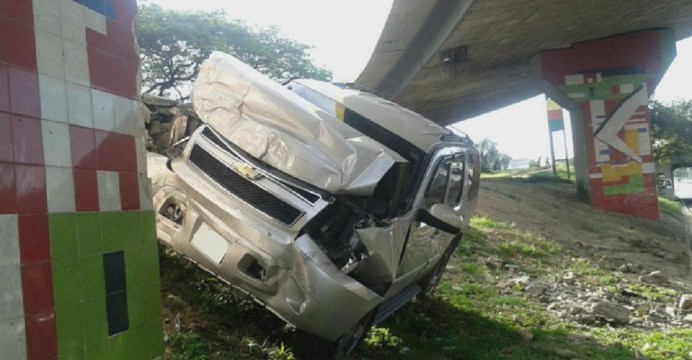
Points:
(173, 45)
(491, 158)
(672, 132)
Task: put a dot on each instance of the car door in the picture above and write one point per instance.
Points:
(443, 184)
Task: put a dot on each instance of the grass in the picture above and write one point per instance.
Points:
(670, 207)
(470, 317)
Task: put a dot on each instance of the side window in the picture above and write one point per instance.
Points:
(447, 182)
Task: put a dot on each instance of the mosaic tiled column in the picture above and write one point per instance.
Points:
(611, 80)
(78, 256)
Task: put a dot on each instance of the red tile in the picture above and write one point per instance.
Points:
(24, 95)
(6, 153)
(4, 85)
(125, 12)
(34, 241)
(31, 189)
(41, 335)
(83, 147)
(19, 10)
(8, 190)
(107, 150)
(27, 140)
(37, 286)
(129, 191)
(113, 75)
(86, 190)
(128, 153)
(19, 43)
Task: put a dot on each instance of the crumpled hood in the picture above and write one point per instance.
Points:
(287, 132)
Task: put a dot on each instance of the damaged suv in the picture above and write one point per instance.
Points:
(330, 205)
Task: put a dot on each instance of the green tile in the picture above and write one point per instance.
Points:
(149, 229)
(97, 351)
(154, 308)
(66, 280)
(152, 265)
(120, 346)
(154, 331)
(91, 276)
(137, 306)
(114, 228)
(89, 233)
(63, 236)
(136, 267)
(68, 320)
(95, 321)
(72, 355)
(132, 236)
(139, 343)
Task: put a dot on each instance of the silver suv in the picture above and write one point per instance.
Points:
(330, 205)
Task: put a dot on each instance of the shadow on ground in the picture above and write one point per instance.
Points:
(203, 320)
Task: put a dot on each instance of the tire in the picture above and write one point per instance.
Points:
(429, 283)
(350, 340)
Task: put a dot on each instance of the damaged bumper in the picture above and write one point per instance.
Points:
(243, 224)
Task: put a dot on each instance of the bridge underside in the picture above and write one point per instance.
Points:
(452, 60)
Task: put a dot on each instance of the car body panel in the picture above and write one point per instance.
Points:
(329, 238)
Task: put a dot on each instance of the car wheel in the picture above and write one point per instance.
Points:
(350, 340)
(430, 281)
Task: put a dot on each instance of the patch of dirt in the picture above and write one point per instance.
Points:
(554, 211)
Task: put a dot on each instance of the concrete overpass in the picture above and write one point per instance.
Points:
(502, 39)
(454, 59)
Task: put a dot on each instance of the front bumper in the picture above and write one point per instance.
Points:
(290, 275)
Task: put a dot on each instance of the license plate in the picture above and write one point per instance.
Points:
(210, 243)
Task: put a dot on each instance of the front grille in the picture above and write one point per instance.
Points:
(243, 188)
(306, 195)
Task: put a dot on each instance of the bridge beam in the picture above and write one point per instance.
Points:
(606, 85)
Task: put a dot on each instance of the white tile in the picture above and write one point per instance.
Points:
(76, 63)
(145, 192)
(95, 21)
(109, 190)
(102, 107)
(12, 338)
(72, 21)
(60, 188)
(127, 119)
(79, 105)
(56, 144)
(53, 98)
(11, 292)
(9, 241)
(49, 54)
(141, 152)
(47, 15)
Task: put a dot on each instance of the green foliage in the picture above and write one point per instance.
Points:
(491, 158)
(670, 207)
(672, 132)
(173, 45)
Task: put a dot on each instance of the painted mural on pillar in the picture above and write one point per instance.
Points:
(78, 253)
(612, 80)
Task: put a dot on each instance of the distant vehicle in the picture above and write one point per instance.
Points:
(330, 205)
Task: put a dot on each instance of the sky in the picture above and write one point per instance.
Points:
(344, 34)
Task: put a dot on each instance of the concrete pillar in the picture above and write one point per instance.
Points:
(78, 255)
(610, 80)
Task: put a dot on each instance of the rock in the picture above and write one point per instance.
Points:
(493, 262)
(404, 350)
(654, 277)
(527, 335)
(568, 277)
(687, 319)
(612, 311)
(685, 302)
(511, 268)
(520, 280)
(565, 353)
(535, 289)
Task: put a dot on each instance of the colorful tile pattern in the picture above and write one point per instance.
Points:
(613, 89)
(73, 184)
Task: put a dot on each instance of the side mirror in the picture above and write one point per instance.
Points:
(442, 217)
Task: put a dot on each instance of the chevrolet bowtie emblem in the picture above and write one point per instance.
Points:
(246, 170)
